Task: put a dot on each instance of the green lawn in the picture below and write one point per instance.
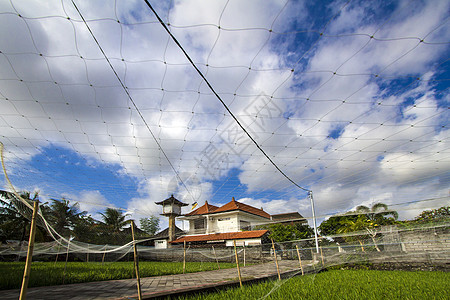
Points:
(346, 284)
(47, 273)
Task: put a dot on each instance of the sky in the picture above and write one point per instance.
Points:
(348, 99)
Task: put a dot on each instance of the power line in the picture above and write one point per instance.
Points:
(220, 99)
(132, 101)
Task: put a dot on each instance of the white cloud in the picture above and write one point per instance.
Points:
(371, 158)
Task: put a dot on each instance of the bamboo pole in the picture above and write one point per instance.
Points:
(276, 260)
(26, 273)
(215, 256)
(136, 262)
(321, 255)
(184, 256)
(67, 258)
(59, 247)
(103, 258)
(237, 264)
(244, 253)
(299, 259)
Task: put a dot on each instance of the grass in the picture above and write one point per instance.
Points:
(49, 273)
(345, 284)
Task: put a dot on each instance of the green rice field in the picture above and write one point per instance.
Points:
(345, 284)
(49, 273)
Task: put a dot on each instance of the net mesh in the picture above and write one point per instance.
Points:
(119, 107)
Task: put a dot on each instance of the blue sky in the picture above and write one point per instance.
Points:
(349, 99)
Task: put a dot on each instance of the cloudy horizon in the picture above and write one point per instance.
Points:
(349, 99)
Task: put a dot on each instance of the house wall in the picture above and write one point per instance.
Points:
(232, 222)
(223, 223)
(246, 242)
(160, 244)
(226, 222)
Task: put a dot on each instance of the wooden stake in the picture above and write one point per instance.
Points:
(276, 260)
(67, 258)
(136, 262)
(237, 264)
(321, 254)
(299, 259)
(218, 266)
(244, 253)
(59, 247)
(184, 256)
(26, 274)
(103, 258)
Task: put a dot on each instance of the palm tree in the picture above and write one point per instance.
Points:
(378, 213)
(349, 225)
(63, 216)
(114, 219)
(13, 222)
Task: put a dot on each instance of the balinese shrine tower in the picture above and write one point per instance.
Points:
(172, 209)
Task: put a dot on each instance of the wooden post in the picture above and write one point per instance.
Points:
(59, 247)
(26, 273)
(67, 258)
(136, 262)
(321, 254)
(87, 258)
(237, 264)
(218, 266)
(276, 260)
(244, 253)
(103, 258)
(299, 259)
(184, 256)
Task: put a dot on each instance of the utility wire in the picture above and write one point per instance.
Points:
(132, 101)
(219, 98)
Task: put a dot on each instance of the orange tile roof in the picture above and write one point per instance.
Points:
(222, 236)
(204, 209)
(234, 205)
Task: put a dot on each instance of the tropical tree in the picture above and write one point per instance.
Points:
(114, 219)
(150, 225)
(288, 232)
(63, 216)
(349, 226)
(331, 226)
(441, 214)
(13, 224)
(379, 214)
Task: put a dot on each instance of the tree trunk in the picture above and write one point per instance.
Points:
(362, 245)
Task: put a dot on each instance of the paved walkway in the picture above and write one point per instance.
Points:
(155, 286)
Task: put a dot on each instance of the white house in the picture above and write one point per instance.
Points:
(210, 224)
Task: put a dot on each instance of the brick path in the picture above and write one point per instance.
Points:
(155, 286)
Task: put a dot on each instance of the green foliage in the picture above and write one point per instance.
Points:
(114, 219)
(150, 225)
(434, 215)
(288, 232)
(13, 224)
(378, 214)
(362, 217)
(63, 216)
(333, 224)
(48, 273)
(348, 284)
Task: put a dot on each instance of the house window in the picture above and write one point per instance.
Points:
(244, 225)
(223, 219)
(199, 224)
